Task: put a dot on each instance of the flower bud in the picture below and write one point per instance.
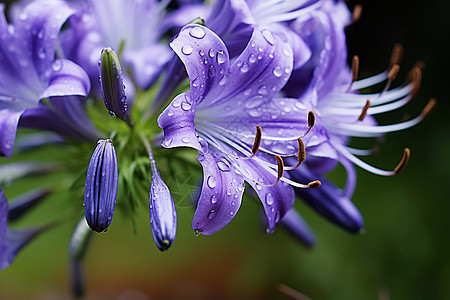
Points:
(111, 83)
(163, 216)
(101, 186)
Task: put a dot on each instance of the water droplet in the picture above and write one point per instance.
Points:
(170, 113)
(268, 36)
(258, 187)
(277, 71)
(197, 232)
(211, 52)
(185, 106)
(187, 49)
(256, 101)
(41, 34)
(233, 203)
(212, 182)
(271, 56)
(42, 53)
(228, 192)
(252, 58)
(197, 32)
(287, 51)
(196, 82)
(211, 214)
(277, 216)
(231, 213)
(221, 57)
(224, 167)
(176, 103)
(201, 52)
(223, 80)
(23, 16)
(213, 199)
(111, 113)
(212, 71)
(244, 67)
(185, 140)
(263, 90)
(269, 199)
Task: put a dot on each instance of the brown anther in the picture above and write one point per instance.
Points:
(364, 111)
(355, 67)
(311, 119)
(314, 184)
(356, 14)
(420, 64)
(397, 55)
(280, 164)
(429, 107)
(393, 72)
(257, 142)
(402, 164)
(415, 75)
(301, 154)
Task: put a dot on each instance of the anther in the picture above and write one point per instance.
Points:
(356, 14)
(280, 172)
(402, 164)
(311, 122)
(393, 72)
(397, 55)
(256, 143)
(355, 67)
(301, 155)
(364, 111)
(415, 75)
(314, 184)
(429, 107)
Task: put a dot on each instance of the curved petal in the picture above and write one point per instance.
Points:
(293, 223)
(9, 121)
(47, 17)
(206, 60)
(329, 201)
(177, 121)
(67, 78)
(3, 213)
(277, 200)
(221, 195)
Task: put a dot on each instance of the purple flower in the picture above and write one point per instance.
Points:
(111, 84)
(28, 67)
(101, 186)
(12, 241)
(130, 25)
(219, 116)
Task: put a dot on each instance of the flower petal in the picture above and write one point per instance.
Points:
(177, 121)
(221, 195)
(67, 78)
(9, 121)
(296, 226)
(206, 60)
(3, 213)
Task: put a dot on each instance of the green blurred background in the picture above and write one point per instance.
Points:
(403, 254)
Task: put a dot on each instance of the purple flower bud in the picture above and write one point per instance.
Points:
(101, 186)
(111, 83)
(163, 216)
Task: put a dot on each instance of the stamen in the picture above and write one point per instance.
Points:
(314, 184)
(256, 143)
(355, 67)
(356, 14)
(280, 172)
(428, 108)
(393, 72)
(397, 55)
(301, 155)
(7, 98)
(402, 164)
(415, 75)
(364, 111)
(311, 122)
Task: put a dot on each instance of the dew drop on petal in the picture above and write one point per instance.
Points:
(268, 36)
(201, 52)
(269, 199)
(197, 32)
(185, 106)
(196, 82)
(185, 140)
(223, 166)
(186, 49)
(244, 67)
(211, 214)
(213, 199)
(170, 113)
(168, 142)
(228, 192)
(57, 65)
(252, 58)
(211, 52)
(277, 71)
(212, 182)
(223, 80)
(221, 57)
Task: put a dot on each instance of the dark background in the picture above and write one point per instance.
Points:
(403, 254)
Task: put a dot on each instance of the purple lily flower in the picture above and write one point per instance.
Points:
(28, 67)
(12, 241)
(219, 116)
(101, 186)
(130, 25)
